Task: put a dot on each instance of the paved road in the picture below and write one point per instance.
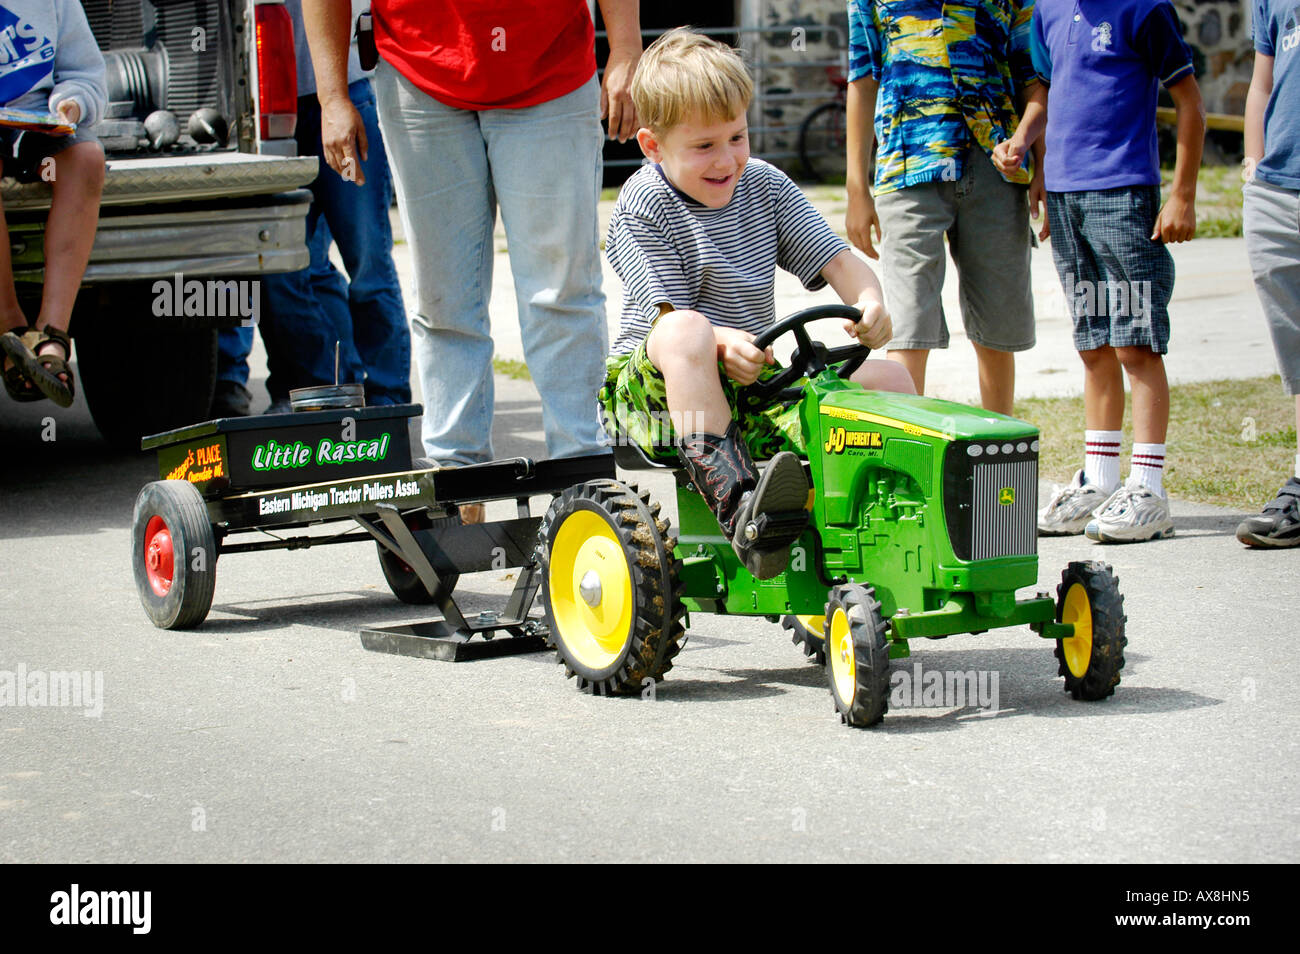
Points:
(271, 735)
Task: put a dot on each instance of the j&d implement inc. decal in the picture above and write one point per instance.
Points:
(839, 438)
(276, 456)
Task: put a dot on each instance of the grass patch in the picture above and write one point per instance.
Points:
(510, 368)
(1231, 443)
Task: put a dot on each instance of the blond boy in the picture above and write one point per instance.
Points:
(696, 236)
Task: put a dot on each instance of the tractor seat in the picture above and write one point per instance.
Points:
(631, 457)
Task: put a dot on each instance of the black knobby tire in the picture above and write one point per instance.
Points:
(803, 635)
(861, 690)
(405, 582)
(1098, 591)
(174, 508)
(628, 522)
(823, 142)
(141, 374)
(401, 578)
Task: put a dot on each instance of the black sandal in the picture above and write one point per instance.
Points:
(42, 370)
(16, 383)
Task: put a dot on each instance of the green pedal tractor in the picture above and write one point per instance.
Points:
(922, 524)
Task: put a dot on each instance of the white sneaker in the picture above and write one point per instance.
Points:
(1071, 507)
(1133, 513)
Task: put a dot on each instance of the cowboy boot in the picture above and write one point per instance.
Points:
(761, 516)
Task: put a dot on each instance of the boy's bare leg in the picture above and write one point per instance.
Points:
(1150, 386)
(997, 379)
(682, 346)
(877, 375)
(914, 361)
(70, 232)
(11, 313)
(1103, 389)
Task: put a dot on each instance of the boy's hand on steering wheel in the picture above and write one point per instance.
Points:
(874, 328)
(738, 355)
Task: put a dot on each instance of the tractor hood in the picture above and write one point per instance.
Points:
(921, 415)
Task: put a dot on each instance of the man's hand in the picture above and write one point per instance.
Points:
(616, 93)
(874, 328)
(343, 136)
(1176, 221)
(738, 355)
(861, 221)
(69, 111)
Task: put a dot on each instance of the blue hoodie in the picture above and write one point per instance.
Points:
(48, 55)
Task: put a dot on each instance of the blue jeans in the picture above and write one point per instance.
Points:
(541, 164)
(307, 311)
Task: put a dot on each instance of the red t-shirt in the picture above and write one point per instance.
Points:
(488, 54)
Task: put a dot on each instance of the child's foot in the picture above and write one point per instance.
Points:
(1279, 524)
(1071, 507)
(760, 516)
(15, 381)
(42, 356)
(1132, 514)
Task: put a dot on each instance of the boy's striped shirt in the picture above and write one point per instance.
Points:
(669, 249)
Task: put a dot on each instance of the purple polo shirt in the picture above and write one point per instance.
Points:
(1104, 61)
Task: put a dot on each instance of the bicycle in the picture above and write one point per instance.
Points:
(823, 136)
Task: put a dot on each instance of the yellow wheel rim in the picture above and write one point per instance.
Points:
(816, 625)
(591, 589)
(839, 650)
(1077, 648)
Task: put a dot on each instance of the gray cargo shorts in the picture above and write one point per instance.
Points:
(986, 220)
(1271, 222)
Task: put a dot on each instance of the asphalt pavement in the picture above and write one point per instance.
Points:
(270, 734)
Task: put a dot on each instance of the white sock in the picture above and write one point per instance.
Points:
(1101, 459)
(1149, 466)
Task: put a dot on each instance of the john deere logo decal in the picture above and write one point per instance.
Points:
(1007, 496)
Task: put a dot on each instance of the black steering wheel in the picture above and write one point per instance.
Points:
(810, 357)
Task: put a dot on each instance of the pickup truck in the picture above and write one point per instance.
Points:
(204, 193)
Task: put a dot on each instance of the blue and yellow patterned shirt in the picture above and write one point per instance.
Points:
(949, 73)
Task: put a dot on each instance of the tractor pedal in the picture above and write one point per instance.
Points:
(769, 531)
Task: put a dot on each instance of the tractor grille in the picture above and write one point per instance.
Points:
(1004, 528)
(991, 499)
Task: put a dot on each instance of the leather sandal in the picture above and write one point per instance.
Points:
(43, 370)
(16, 383)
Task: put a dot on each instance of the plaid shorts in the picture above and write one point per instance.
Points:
(1117, 281)
(633, 408)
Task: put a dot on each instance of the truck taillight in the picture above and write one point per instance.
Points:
(277, 72)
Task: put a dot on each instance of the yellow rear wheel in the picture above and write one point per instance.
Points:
(590, 589)
(610, 587)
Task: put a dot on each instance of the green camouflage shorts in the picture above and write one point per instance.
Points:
(634, 409)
